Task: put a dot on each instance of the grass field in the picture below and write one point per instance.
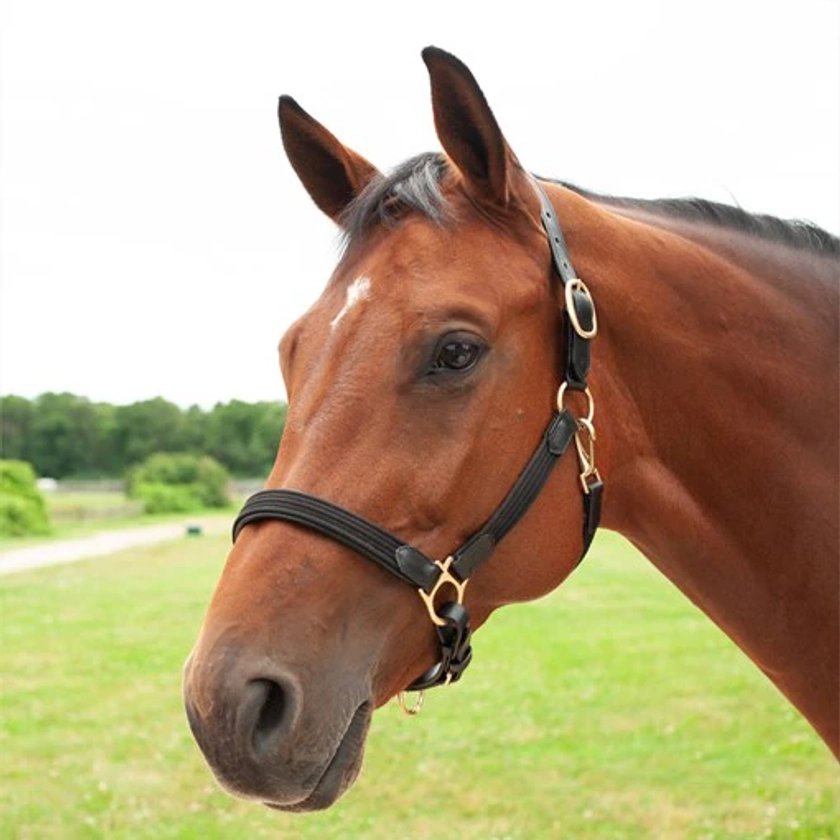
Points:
(611, 709)
(92, 501)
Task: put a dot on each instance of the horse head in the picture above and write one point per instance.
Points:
(419, 384)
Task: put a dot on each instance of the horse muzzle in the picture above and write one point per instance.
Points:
(263, 737)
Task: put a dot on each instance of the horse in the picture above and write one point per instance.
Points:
(442, 423)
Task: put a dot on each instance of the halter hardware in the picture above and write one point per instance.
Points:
(414, 709)
(575, 292)
(590, 402)
(446, 579)
(589, 475)
(429, 577)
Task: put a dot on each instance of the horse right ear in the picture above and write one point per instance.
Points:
(468, 131)
(332, 174)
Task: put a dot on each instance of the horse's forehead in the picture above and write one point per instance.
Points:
(418, 266)
(412, 244)
(419, 251)
(357, 292)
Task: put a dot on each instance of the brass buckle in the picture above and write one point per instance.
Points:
(577, 285)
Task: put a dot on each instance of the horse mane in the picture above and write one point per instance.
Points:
(796, 233)
(416, 186)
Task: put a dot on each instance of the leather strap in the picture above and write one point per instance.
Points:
(577, 347)
(343, 526)
(591, 514)
(556, 440)
(405, 561)
(578, 355)
(556, 240)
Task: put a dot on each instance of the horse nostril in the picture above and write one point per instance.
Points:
(271, 714)
(267, 713)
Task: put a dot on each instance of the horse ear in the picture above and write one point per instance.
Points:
(332, 174)
(467, 128)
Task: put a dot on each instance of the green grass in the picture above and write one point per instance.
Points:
(89, 500)
(611, 709)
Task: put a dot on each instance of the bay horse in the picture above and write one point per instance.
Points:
(442, 395)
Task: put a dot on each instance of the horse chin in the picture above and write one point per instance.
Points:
(341, 771)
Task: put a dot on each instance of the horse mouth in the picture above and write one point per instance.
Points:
(343, 767)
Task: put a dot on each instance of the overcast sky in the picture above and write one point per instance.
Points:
(154, 240)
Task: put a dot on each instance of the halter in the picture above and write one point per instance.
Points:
(409, 564)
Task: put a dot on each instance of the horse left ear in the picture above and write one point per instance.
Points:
(332, 173)
(467, 129)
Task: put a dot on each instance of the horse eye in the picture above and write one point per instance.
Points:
(457, 354)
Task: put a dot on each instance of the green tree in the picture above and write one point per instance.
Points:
(105, 458)
(66, 435)
(65, 431)
(16, 415)
(244, 436)
(267, 433)
(195, 429)
(146, 427)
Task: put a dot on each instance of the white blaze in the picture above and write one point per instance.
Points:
(358, 290)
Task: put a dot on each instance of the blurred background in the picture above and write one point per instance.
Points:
(155, 241)
(155, 244)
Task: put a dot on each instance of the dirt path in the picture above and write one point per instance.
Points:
(105, 542)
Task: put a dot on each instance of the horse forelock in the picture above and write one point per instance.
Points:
(413, 186)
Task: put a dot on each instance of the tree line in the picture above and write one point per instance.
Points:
(68, 436)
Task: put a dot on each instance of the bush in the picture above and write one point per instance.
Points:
(178, 483)
(22, 507)
(168, 498)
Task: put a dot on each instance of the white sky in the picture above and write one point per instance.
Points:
(154, 240)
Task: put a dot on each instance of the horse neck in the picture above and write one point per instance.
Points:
(715, 375)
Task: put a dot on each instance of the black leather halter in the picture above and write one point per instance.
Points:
(408, 563)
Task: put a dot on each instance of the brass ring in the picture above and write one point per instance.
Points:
(590, 404)
(410, 711)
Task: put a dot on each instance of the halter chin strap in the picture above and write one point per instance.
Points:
(411, 565)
